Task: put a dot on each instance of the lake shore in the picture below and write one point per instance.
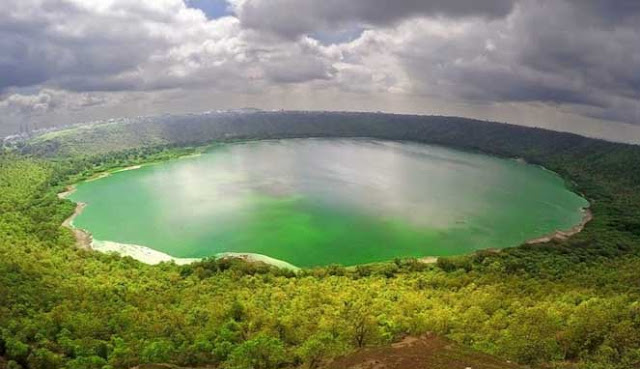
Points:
(141, 253)
(67, 192)
(147, 255)
(85, 241)
(150, 256)
(428, 260)
(587, 216)
(110, 172)
(83, 238)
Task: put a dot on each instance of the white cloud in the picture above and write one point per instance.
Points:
(47, 101)
(74, 57)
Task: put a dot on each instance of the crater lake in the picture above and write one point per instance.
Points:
(312, 202)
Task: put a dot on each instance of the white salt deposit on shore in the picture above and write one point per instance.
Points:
(140, 253)
(252, 258)
(150, 256)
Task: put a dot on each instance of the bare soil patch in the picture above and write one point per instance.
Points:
(425, 352)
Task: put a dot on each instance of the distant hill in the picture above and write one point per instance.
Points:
(196, 129)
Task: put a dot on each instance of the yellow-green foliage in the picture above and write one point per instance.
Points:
(61, 307)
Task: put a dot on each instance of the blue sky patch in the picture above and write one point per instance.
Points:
(212, 8)
(338, 36)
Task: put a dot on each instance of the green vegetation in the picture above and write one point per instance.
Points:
(564, 304)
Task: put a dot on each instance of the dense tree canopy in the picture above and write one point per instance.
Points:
(570, 303)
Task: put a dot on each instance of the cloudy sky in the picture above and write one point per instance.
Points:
(563, 64)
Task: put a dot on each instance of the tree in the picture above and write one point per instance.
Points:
(44, 359)
(319, 348)
(157, 352)
(261, 352)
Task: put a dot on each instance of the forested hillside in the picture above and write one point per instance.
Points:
(564, 304)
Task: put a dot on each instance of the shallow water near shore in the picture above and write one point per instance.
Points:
(322, 201)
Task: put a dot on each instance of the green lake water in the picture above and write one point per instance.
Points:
(323, 201)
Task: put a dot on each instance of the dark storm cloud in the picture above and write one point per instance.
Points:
(613, 11)
(144, 45)
(579, 55)
(546, 51)
(565, 43)
(60, 42)
(597, 58)
(291, 18)
(306, 69)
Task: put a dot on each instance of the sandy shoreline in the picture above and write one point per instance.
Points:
(141, 253)
(67, 192)
(587, 216)
(83, 238)
(150, 256)
(108, 173)
(147, 255)
(428, 260)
